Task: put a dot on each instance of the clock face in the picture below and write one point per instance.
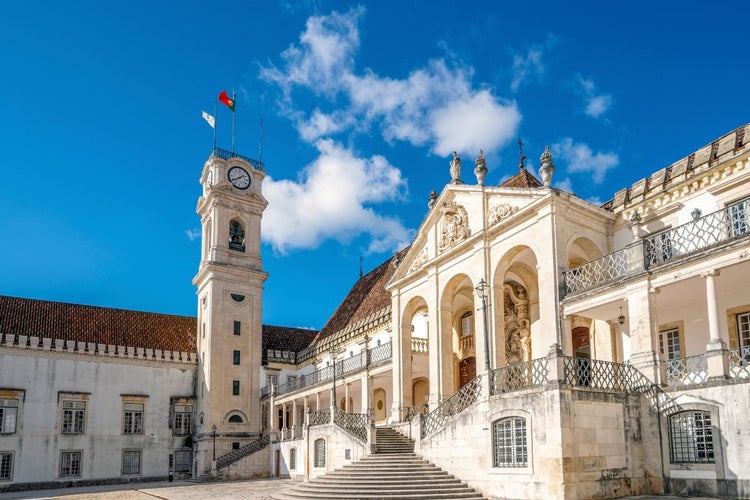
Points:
(239, 177)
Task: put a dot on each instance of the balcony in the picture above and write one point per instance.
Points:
(714, 230)
(420, 346)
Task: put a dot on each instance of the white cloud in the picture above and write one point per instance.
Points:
(193, 234)
(564, 184)
(595, 104)
(580, 158)
(332, 199)
(527, 66)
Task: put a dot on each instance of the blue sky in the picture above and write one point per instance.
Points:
(362, 104)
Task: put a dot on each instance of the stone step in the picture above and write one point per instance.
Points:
(375, 495)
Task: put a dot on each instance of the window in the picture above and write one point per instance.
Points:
(293, 459)
(319, 458)
(236, 236)
(690, 437)
(739, 218)
(509, 447)
(272, 380)
(183, 416)
(73, 417)
(292, 382)
(235, 419)
(669, 343)
(6, 465)
(70, 464)
(182, 460)
(131, 462)
(132, 418)
(467, 324)
(8, 416)
(743, 330)
(235, 387)
(236, 445)
(237, 327)
(235, 357)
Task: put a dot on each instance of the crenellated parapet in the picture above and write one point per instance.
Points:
(709, 164)
(51, 345)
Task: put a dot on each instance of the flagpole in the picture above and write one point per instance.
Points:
(216, 115)
(234, 100)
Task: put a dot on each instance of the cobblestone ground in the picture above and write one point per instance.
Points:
(256, 489)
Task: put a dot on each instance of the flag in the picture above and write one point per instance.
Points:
(225, 99)
(210, 119)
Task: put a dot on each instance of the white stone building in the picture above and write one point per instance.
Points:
(533, 344)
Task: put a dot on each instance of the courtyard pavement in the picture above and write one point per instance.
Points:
(256, 489)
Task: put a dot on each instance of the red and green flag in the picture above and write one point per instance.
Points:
(225, 99)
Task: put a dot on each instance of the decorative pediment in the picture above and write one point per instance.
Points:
(454, 225)
(420, 259)
(500, 212)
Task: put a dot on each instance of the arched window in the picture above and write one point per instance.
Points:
(292, 458)
(690, 438)
(319, 458)
(467, 324)
(509, 447)
(235, 419)
(236, 236)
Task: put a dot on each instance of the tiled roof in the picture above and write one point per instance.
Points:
(283, 338)
(523, 179)
(102, 325)
(367, 296)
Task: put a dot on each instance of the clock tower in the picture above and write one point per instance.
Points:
(230, 287)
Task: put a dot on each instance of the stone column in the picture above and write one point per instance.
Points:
(644, 335)
(718, 362)
(294, 416)
(317, 401)
(346, 398)
(366, 392)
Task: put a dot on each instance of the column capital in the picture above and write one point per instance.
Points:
(710, 273)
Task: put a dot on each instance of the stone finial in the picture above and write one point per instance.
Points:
(456, 169)
(547, 168)
(480, 169)
(432, 200)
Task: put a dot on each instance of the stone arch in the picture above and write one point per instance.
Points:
(232, 416)
(581, 250)
(456, 299)
(414, 331)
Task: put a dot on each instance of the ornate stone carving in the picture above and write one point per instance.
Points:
(456, 169)
(480, 169)
(500, 212)
(454, 226)
(420, 259)
(517, 323)
(547, 168)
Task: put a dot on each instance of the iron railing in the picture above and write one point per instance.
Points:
(518, 376)
(380, 354)
(248, 449)
(686, 371)
(224, 154)
(355, 423)
(409, 413)
(448, 409)
(320, 417)
(597, 374)
(739, 362)
(659, 248)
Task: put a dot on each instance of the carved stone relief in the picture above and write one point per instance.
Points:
(517, 323)
(454, 226)
(420, 259)
(500, 212)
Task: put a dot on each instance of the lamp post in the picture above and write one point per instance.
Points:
(334, 352)
(213, 435)
(481, 290)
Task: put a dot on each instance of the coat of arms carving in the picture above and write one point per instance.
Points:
(454, 226)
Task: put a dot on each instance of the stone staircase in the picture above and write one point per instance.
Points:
(394, 471)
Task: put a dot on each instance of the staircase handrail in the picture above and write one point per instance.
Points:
(356, 424)
(235, 455)
(448, 409)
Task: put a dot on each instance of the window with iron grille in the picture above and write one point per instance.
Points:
(293, 459)
(235, 387)
(235, 357)
(691, 438)
(6, 465)
(70, 463)
(73, 417)
(319, 456)
(183, 415)
(8, 416)
(131, 462)
(237, 327)
(509, 447)
(132, 418)
(182, 460)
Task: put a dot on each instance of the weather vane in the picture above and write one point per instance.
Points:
(520, 155)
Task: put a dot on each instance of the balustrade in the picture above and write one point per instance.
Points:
(739, 362)
(419, 345)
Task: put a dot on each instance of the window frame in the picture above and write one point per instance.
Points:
(237, 235)
(235, 387)
(6, 404)
(183, 413)
(9, 455)
(319, 453)
(696, 438)
(236, 357)
(123, 463)
(188, 462)
(71, 428)
(518, 452)
(467, 318)
(292, 458)
(237, 328)
(70, 454)
(133, 418)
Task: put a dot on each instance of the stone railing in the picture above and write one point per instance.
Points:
(356, 424)
(739, 362)
(420, 346)
(686, 371)
(94, 349)
(448, 409)
(720, 227)
(518, 376)
(465, 343)
(376, 355)
(235, 455)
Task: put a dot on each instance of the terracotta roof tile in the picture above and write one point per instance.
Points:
(283, 338)
(523, 179)
(102, 325)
